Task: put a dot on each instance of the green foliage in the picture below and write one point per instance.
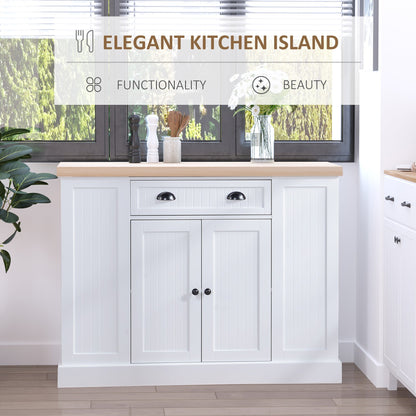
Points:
(16, 176)
(27, 95)
(307, 122)
(193, 130)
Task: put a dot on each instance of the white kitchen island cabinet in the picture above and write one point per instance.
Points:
(199, 280)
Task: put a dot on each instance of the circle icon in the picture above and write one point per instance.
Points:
(93, 84)
(261, 84)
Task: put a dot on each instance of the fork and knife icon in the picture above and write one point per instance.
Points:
(89, 40)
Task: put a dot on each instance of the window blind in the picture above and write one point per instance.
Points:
(237, 7)
(43, 18)
(248, 15)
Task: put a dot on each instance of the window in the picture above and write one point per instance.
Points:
(309, 133)
(27, 83)
(100, 132)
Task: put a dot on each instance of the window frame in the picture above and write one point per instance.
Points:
(309, 150)
(57, 151)
(111, 133)
(233, 146)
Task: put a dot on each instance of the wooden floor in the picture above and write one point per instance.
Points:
(31, 391)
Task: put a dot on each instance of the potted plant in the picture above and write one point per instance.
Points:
(15, 178)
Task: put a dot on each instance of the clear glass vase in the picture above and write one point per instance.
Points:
(262, 139)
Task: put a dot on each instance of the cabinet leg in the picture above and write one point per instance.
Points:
(392, 383)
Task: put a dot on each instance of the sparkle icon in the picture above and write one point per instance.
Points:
(261, 85)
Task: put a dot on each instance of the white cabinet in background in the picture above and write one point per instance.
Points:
(400, 281)
(199, 281)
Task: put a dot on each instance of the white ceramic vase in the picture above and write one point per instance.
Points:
(171, 149)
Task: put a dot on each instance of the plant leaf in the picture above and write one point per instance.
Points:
(4, 132)
(7, 241)
(24, 181)
(8, 217)
(26, 200)
(14, 152)
(17, 226)
(2, 190)
(13, 168)
(6, 259)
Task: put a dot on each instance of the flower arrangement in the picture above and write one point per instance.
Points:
(243, 87)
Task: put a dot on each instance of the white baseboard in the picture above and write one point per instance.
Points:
(375, 371)
(346, 351)
(49, 354)
(199, 373)
(30, 354)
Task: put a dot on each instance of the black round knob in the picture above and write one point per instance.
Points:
(195, 292)
(236, 196)
(166, 196)
(207, 291)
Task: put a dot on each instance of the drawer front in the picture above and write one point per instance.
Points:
(403, 208)
(200, 197)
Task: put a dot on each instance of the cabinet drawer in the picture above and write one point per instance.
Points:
(200, 197)
(400, 201)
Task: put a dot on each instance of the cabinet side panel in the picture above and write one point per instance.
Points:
(305, 271)
(95, 285)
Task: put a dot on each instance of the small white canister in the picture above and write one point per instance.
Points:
(171, 149)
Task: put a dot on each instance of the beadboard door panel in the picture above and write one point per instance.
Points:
(95, 270)
(399, 302)
(236, 267)
(166, 267)
(306, 269)
(392, 272)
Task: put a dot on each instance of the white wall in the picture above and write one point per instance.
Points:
(387, 138)
(30, 292)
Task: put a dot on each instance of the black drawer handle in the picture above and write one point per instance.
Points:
(236, 196)
(195, 292)
(406, 204)
(389, 198)
(207, 291)
(166, 196)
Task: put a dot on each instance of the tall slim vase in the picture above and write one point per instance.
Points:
(262, 139)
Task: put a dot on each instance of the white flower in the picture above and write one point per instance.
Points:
(233, 101)
(255, 110)
(234, 77)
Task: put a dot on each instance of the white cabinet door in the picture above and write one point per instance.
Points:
(165, 268)
(305, 269)
(95, 271)
(407, 303)
(399, 302)
(236, 267)
(392, 283)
